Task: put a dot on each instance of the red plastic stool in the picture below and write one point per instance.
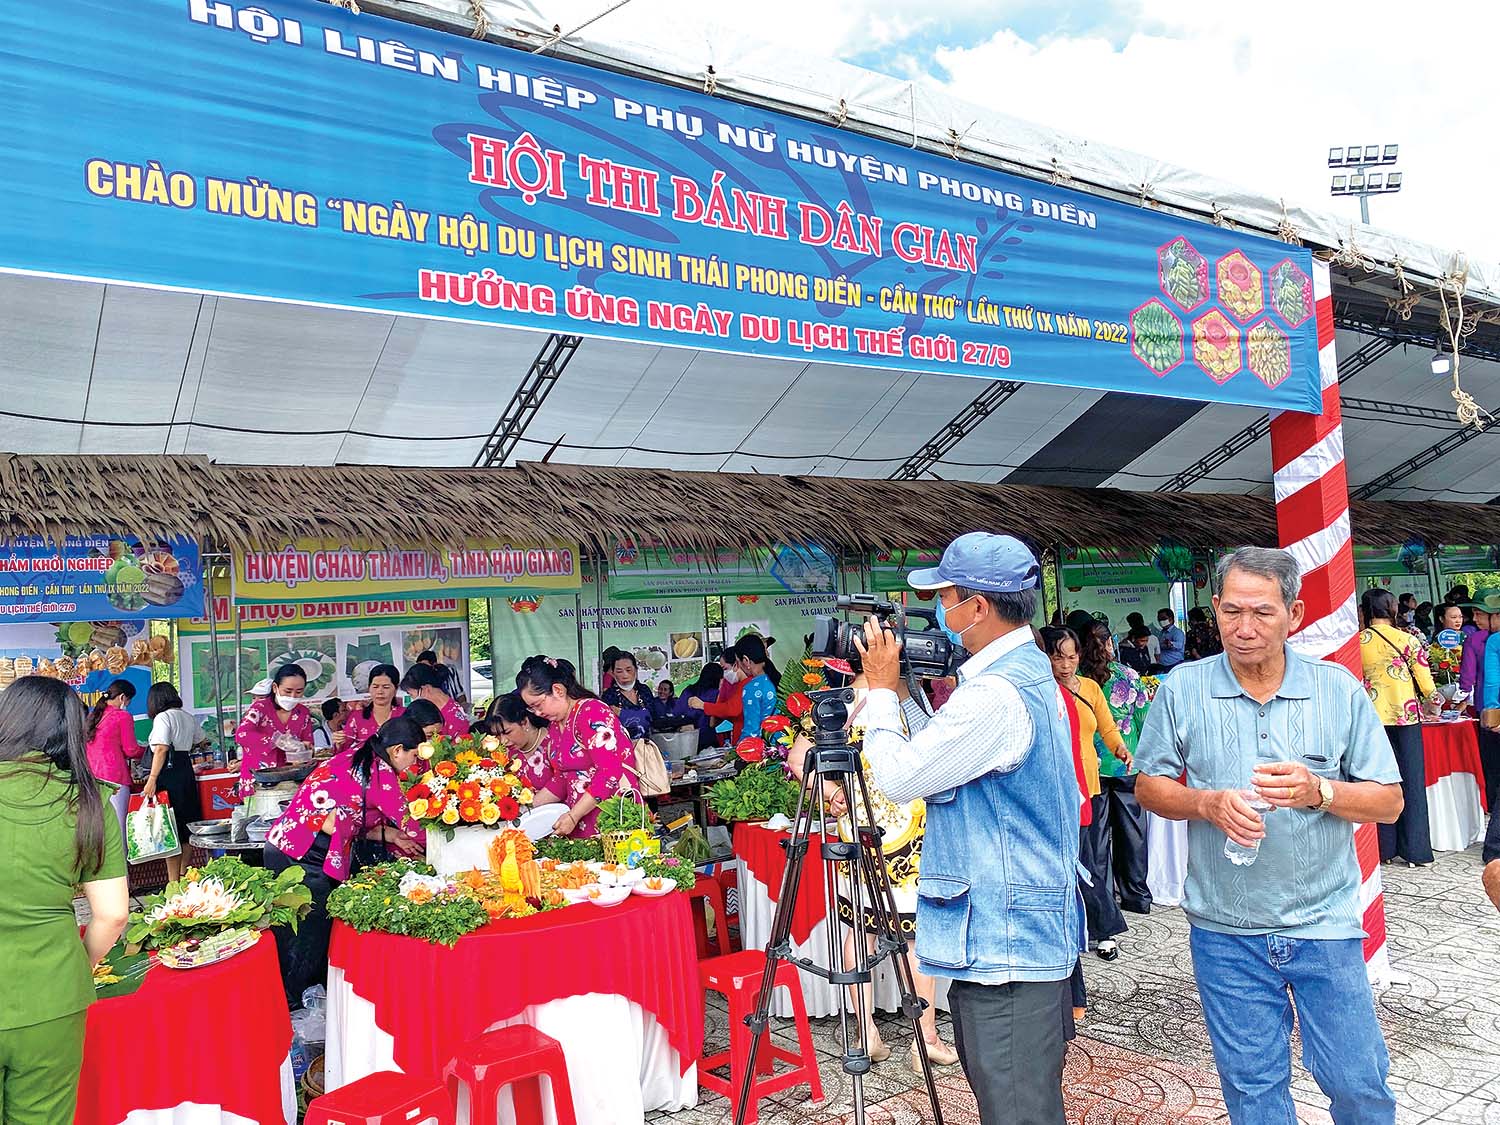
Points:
(383, 1098)
(711, 893)
(516, 1056)
(738, 976)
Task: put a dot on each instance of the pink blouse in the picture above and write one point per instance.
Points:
(256, 738)
(358, 729)
(587, 753)
(456, 721)
(334, 788)
(113, 742)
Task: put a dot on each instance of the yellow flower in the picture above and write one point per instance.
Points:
(450, 815)
(490, 743)
(511, 780)
(424, 751)
(526, 797)
(490, 814)
(418, 808)
(427, 778)
(467, 758)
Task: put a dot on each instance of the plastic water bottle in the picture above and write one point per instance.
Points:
(1238, 854)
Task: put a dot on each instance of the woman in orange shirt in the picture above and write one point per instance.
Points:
(1105, 922)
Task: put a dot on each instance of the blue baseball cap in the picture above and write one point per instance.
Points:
(997, 564)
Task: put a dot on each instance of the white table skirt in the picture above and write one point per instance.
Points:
(756, 914)
(1166, 859)
(1456, 817)
(620, 1062)
(191, 1113)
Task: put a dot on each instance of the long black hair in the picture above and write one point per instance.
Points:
(399, 731)
(162, 696)
(288, 671)
(421, 712)
(420, 676)
(543, 673)
(116, 690)
(390, 672)
(710, 679)
(755, 650)
(1377, 604)
(43, 715)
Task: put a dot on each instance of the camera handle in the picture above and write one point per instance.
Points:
(861, 863)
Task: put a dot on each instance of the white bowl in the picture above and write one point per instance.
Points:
(667, 887)
(621, 877)
(574, 894)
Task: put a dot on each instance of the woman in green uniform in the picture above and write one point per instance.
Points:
(53, 838)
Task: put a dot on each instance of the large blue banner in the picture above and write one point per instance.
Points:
(294, 150)
(99, 578)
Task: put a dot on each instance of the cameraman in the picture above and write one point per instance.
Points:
(996, 900)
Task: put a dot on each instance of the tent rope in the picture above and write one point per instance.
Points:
(1146, 186)
(841, 114)
(1404, 305)
(558, 35)
(1286, 230)
(1059, 173)
(955, 140)
(347, 5)
(710, 81)
(1351, 255)
(481, 19)
(1451, 286)
(1218, 218)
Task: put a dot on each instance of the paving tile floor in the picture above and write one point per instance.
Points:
(1143, 1058)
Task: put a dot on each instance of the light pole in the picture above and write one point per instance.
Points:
(1358, 176)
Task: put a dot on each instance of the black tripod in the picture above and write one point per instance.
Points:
(832, 760)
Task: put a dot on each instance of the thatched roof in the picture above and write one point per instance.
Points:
(267, 506)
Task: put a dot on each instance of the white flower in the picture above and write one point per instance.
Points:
(207, 898)
(411, 880)
(424, 751)
(321, 800)
(490, 743)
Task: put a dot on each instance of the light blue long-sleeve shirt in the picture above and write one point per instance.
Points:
(1490, 684)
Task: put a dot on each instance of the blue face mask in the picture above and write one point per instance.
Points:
(942, 621)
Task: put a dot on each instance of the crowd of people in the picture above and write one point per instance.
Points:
(1023, 797)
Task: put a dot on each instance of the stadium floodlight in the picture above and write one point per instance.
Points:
(1359, 180)
(1335, 157)
(1375, 181)
(1340, 185)
(1389, 155)
(1393, 182)
(1372, 154)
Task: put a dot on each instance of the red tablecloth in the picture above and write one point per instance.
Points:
(1453, 748)
(134, 1056)
(765, 858)
(642, 950)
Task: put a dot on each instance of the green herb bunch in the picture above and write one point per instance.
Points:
(372, 900)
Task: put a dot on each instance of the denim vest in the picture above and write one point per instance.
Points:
(997, 895)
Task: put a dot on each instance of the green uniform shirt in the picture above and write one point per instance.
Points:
(46, 971)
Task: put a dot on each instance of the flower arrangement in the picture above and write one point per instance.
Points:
(1150, 685)
(467, 781)
(1445, 664)
(407, 897)
(223, 895)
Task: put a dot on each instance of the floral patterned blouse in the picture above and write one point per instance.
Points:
(1128, 703)
(760, 704)
(358, 729)
(587, 752)
(1396, 671)
(256, 738)
(335, 788)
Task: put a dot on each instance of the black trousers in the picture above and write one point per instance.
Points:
(1012, 1039)
(1099, 906)
(303, 955)
(1410, 838)
(1124, 824)
(1492, 837)
(1489, 758)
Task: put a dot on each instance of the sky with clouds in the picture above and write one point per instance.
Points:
(1255, 93)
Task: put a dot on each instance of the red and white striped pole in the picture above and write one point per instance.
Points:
(1312, 521)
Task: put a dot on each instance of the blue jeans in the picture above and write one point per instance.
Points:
(1249, 986)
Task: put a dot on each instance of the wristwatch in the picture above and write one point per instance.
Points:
(1325, 788)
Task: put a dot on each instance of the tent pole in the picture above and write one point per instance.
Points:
(213, 649)
(239, 649)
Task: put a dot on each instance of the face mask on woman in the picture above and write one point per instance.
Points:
(732, 676)
(287, 702)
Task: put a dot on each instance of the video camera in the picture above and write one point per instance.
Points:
(926, 653)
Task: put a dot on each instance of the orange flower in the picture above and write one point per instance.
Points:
(469, 811)
(499, 788)
(812, 680)
(419, 895)
(468, 791)
(445, 769)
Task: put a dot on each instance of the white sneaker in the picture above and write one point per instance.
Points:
(1109, 949)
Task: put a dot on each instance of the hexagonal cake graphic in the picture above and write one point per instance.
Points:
(1269, 352)
(1183, 273)
(1291, 292)
(1240, 286)
(1156, 336)
(1216, 346)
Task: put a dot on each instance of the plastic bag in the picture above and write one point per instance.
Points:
(151, 830)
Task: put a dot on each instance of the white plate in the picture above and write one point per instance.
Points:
(538, 822)
(621, 877)
(667, 887)
(608, 896)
